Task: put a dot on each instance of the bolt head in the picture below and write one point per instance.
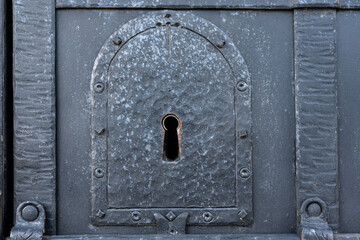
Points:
(245, 173)
(99, 87)
(241, 86)
(30, 213)
(207, 216)
(136, 216)
(314, 209)
(99, 172)
(242, 213)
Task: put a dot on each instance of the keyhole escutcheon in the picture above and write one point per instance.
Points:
(171, 147)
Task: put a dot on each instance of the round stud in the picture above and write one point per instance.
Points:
(207, 216)
(136, 216)
(30, 213)
(314, 209)
(241, 86)
(99, 87)
(99, 172)
(244, 173)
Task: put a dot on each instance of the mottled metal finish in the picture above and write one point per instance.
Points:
(171, 224)
(29, 229)
(222, 4)
(184, 237)
(313, 225)
(316, 112)
(34, 104)
(169, 62)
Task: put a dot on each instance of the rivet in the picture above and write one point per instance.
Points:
(242, 214)
(136, 216)
(245, 173)
(173, 231)
(30, 213)
(243, 133)
(220, 44)
(168, 15)
(170, 216)
(241, 86)
(99, 130)
(99, 172)
(117, 41)
(314, 209)
(99, 87)
(100, 213)
(207, 216)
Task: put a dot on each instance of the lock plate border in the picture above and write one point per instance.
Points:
(101, 214)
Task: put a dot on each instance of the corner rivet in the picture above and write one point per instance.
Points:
(244, 173)
(136, 216)
(100, 213)
(207, 216)
(241, 86)
(99, 87)
(242, 214)
(30, 213)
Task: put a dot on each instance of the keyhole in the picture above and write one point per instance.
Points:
(171, 124)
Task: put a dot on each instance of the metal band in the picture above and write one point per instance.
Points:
(316, 114)
(34, 105)
(228, 4)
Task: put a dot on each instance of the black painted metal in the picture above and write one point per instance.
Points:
(247, 156)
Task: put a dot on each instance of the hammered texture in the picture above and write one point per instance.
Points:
(316, 128)
(170, 70)
(34, 105)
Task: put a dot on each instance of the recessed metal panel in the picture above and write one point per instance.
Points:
(178, 64)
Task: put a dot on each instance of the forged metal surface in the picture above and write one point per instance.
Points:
(185, 237)
(170, 63)
(201, 237)
(313, 225)
(316, 113)
(34, 104)
(233, 4)
(29, 229)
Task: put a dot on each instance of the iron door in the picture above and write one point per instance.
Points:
(180, 119)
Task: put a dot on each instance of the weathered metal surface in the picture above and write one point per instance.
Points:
(224, 4)
(348, 52)
(30, 222)
(170, 223)
(185, 237)
(200, 237)
(313, 224)
(267, 50)
(2, 77)
(316, 111)
(34, 104)
(140, 79)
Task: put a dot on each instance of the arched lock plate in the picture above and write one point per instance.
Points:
(171, 63)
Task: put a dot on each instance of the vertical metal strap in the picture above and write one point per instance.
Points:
(316, 113)
(34, 104)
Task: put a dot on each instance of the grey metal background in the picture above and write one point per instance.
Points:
(81, 33)
(265, 39)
